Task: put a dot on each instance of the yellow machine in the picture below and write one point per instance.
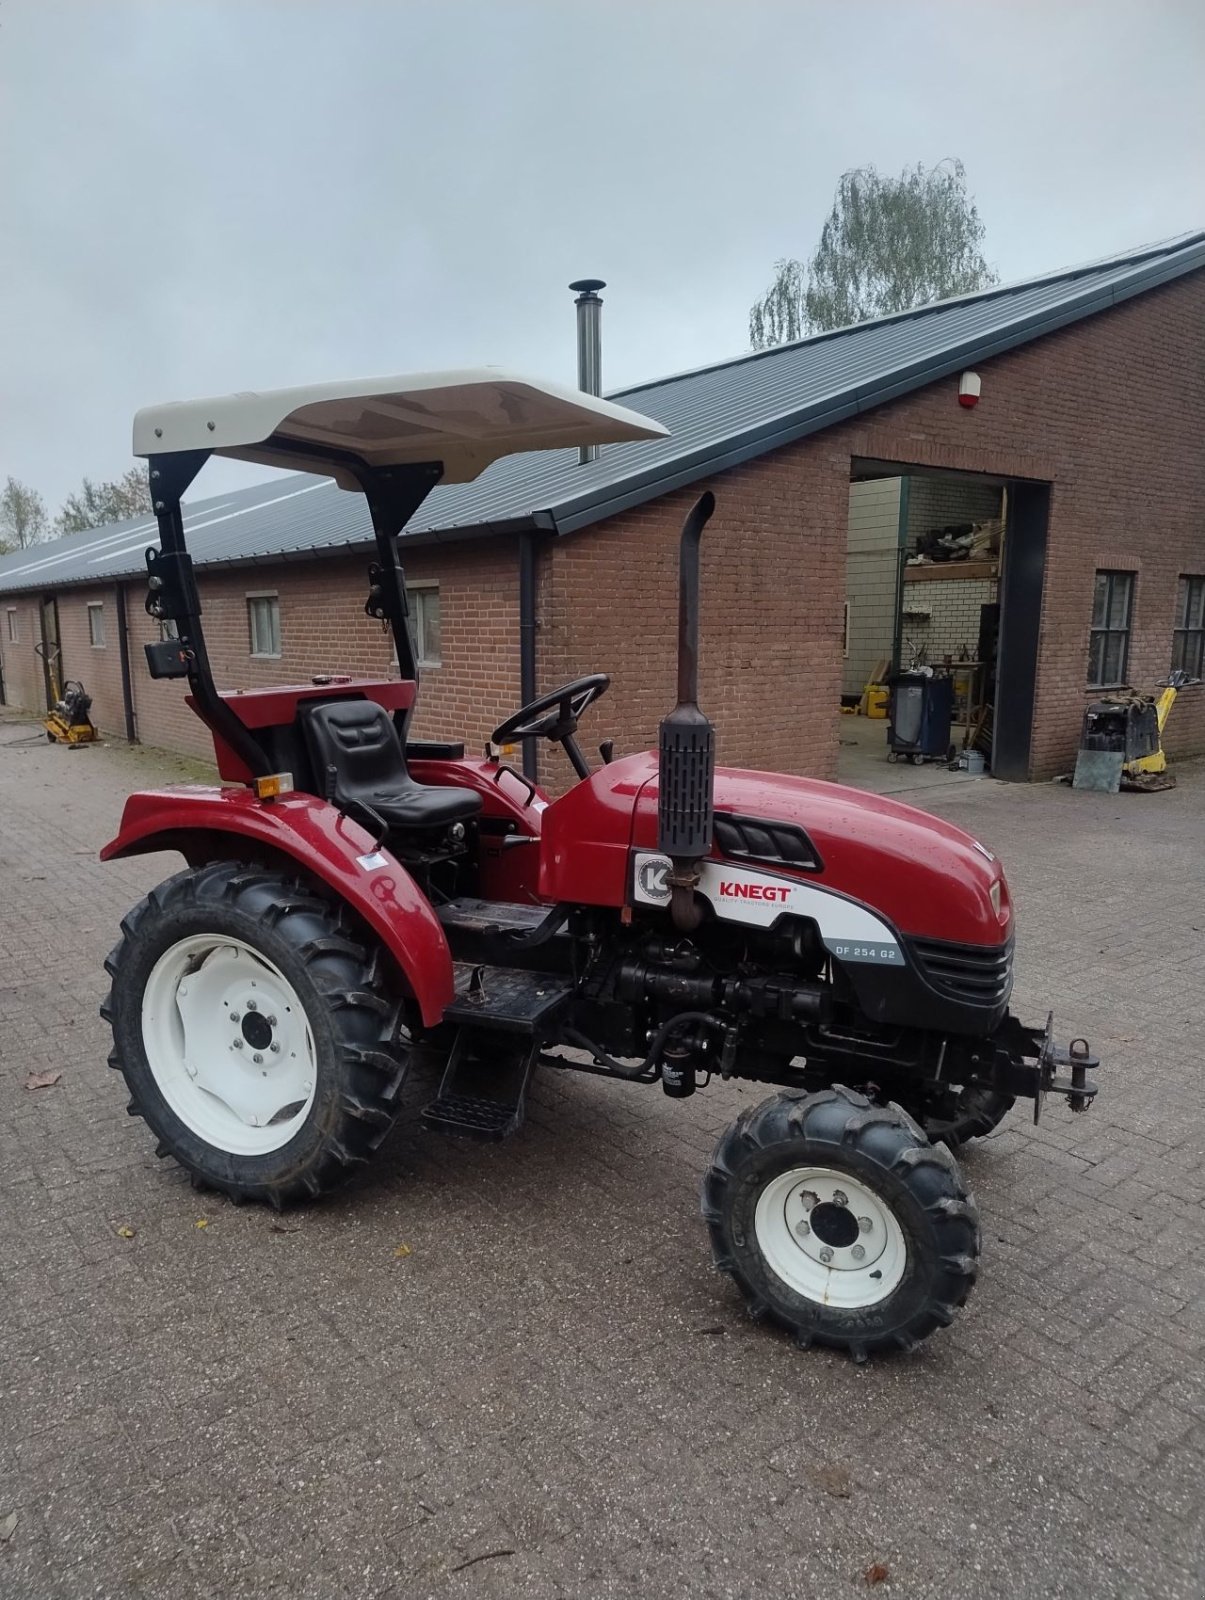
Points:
(1149, 772)
(68, 721)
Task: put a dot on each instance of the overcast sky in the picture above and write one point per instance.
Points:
(200, 196)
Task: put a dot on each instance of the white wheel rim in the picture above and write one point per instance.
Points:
(830, 1238)
(228, 1044)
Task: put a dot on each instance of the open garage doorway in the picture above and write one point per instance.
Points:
(943, 583)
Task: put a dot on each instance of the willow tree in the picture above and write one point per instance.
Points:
(22, 517)
(95, 504)
(889, 244)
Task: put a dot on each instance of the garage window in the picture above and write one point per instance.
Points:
(1188, 639)
(263, 624)
(12, 624)
(1109, 650)
(96, 624)
(424, 623)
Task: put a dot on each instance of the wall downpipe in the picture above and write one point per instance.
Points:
(123, 647)
(527, 643)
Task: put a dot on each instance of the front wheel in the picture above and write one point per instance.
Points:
(255, 1033)
(839, 1220)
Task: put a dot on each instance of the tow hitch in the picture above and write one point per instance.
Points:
(1080, 1093)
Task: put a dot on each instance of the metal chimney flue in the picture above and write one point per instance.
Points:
(589, 345)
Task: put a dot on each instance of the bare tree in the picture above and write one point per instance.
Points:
(889, 244)
(95, 504)
(23, 518)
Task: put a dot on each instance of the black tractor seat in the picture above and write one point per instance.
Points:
(358, 739)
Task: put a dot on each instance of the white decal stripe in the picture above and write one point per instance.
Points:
(757, 899)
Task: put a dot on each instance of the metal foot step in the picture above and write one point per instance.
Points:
(473, 1116)
(509, 999)
(484, 1086)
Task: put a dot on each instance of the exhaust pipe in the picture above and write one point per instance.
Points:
(686, 744)
(589, 346)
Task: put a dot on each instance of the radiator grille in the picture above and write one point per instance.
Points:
(979, 975)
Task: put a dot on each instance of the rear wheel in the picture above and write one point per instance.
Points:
(839, 1220)
(255, 1032)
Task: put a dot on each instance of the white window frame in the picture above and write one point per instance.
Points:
(96, 624)
(13, 637)
(415, 593)
(253, 597)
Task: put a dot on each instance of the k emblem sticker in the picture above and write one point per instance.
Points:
(651, 885)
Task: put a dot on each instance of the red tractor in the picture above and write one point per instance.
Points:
(352, 895)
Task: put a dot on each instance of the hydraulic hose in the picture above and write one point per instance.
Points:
(646, 1072)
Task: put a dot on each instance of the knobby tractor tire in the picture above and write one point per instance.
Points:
(971, 1114)
(884, 1151)
(336, 972)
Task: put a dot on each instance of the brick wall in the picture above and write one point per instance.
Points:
(322, 629)
(941, 616)
(22, 671)
(773, 579)
(947, 502)
(98, 667)
(1111, 411)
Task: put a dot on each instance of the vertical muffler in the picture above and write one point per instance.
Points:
(687, 743)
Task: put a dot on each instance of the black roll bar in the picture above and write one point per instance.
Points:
(394, 494)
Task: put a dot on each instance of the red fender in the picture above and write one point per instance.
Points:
(334, 849)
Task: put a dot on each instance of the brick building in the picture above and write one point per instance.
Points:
(831, 460)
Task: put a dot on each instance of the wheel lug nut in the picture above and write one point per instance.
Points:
(251, 1006)
(238, 1044)
(803, 1229)
(271, 1021)
(274, 1046)
(826, 1256)
(865, 1224)
(857, 1252)
(234, 1017)
(257, 1058)
(840, 1198)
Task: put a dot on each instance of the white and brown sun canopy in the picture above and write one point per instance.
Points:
(464, 419)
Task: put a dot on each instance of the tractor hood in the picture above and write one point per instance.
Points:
(927, 877)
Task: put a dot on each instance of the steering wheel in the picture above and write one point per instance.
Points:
(555, 716)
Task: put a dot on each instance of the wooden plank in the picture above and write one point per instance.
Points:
(951, 571)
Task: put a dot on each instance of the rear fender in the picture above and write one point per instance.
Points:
(197, 821)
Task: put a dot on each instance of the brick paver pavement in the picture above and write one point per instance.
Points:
(552, 1394)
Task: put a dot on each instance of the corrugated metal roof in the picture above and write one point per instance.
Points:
(718, 416)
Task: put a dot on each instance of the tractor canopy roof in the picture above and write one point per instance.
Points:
(464, 419)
